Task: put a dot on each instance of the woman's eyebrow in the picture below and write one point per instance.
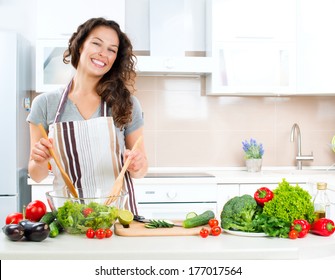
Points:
(97, 38)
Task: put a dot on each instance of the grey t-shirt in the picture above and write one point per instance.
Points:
(44, 108)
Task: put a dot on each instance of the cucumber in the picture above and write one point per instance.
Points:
(48, 218)
(199, 220)
(54, 229)
(191, 215)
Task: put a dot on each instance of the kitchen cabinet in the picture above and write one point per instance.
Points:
(315, 47)
(253, 48)
(59, 19)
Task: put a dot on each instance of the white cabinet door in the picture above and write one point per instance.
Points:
(315, 47)
(253, 48)
(57, 19)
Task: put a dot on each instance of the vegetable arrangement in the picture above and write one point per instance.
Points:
(27, 225)
(286, 212)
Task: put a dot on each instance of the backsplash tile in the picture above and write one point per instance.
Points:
(185, 128)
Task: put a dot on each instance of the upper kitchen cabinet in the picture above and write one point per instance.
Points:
(59, 19)
(316, 47)
(168, 36)
(253, 47)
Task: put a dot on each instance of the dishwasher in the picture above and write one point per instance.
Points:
(173, 195)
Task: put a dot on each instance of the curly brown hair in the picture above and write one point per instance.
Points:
(116, 85)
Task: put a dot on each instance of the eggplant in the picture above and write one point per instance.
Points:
(35, 231)
(13, 232)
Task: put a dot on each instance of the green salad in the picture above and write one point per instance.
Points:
(77, 218)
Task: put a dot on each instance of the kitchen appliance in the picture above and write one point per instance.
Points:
(14, 141)
(171, 195)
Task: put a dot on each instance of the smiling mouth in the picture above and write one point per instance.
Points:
(98, 62)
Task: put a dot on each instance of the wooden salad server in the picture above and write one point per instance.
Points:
(116, 189)
(66, 177)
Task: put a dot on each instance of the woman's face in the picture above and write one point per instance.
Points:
(99, 51)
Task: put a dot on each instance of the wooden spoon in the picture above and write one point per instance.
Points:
(66, 178)
(116, 189)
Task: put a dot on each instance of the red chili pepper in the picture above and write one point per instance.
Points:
(263, 195)
(301, 226)
(323, 226)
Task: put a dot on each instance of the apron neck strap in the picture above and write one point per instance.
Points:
(61, 106)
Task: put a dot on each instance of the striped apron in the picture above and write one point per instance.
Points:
(90, 154)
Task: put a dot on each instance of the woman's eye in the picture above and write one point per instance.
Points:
(96, 43)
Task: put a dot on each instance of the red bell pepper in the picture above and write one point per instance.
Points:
(301, 226)
(263, 195)
(323, 226)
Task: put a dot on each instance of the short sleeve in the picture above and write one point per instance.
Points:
(137, 117)
(38, 111)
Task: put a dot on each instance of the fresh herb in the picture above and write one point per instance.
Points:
(158, 224)
(75, 220)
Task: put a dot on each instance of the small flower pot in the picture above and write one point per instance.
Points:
(254, 164)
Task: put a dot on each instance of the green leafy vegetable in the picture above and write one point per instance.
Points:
(158, 224)
(290, 203)
(239, 212)
(71, 216)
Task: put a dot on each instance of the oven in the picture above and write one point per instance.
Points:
(173, 195)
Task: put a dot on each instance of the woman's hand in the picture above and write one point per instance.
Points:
(138, 166)
(138, 160)
(40, 151)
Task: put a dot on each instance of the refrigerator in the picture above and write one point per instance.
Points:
(15, 85)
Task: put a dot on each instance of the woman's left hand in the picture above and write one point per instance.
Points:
(138, 163)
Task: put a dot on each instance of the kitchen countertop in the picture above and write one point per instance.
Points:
(231, 176)
(225, 246)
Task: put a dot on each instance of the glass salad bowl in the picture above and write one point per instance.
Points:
(76, 215)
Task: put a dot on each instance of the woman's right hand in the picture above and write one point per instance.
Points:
(40, 151)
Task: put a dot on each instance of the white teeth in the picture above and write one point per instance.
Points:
(98, 62)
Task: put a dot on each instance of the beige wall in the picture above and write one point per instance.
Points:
(186, 128)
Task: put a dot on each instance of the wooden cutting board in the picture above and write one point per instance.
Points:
(138, 229)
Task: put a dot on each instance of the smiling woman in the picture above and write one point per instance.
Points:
(94, 122)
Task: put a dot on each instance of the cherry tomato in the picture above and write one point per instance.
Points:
(90, 233)
(35, 210)
(216, 230)
(213, 223)
(14, 218)
(293, 234)
(87, 211)
(109, 232)
(100, 233)
(204, 232)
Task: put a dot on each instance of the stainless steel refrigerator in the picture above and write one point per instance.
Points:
(15, 85)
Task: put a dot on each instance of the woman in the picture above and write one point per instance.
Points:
(95, 121)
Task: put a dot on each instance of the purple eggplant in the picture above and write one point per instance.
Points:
(13, 232)
(35, 231)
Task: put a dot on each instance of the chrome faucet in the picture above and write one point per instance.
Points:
(299, 157)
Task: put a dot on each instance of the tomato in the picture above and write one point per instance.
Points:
(216, 230)
(14, 218)
(87, 211)
(109, 232)
(90, 233)
(204, 232)
(293, 234)
(35, 210)
(100, 233)
(213, 223)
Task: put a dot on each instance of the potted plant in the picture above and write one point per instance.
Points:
(253, 155)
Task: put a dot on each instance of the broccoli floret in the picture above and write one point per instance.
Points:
(239, 212)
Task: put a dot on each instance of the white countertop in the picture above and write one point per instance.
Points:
(238, 175)
(222, 247)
